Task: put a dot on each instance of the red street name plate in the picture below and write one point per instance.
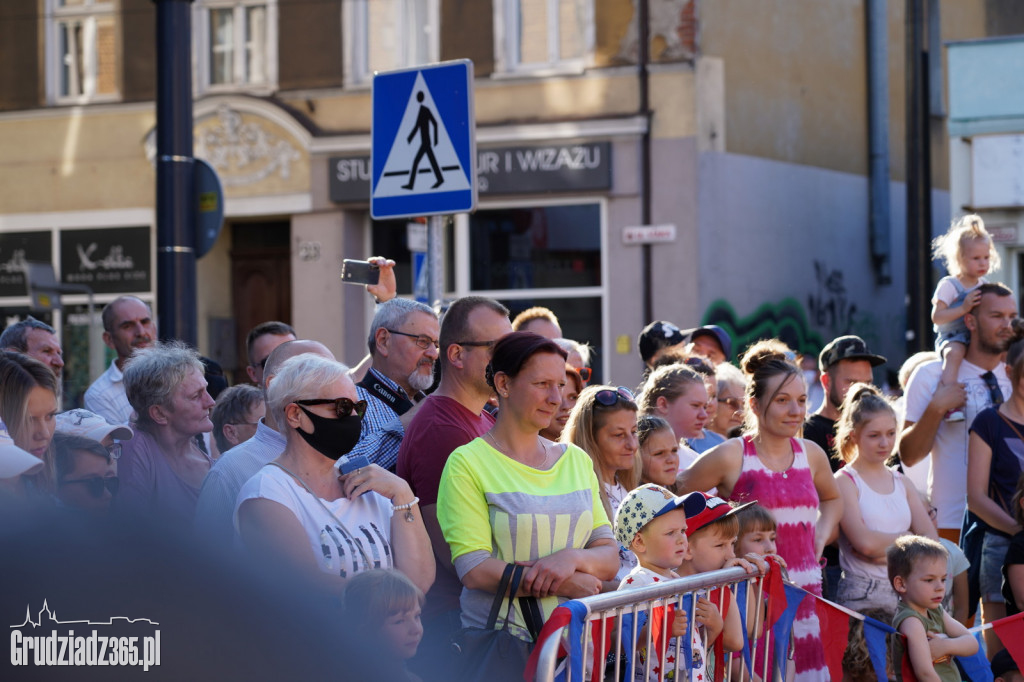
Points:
(648, 234)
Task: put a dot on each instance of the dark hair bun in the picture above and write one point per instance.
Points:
(489, 375)
(764, 353)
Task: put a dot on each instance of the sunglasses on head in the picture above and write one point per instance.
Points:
(343, 407)
(95, 485)
(607, 397)
(584, 372)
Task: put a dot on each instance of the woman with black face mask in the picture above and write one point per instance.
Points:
(300, 510)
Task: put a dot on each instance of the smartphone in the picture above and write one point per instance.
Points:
(350, 464)
(359, 272)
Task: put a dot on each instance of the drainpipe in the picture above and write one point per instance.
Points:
(644, 35)
(878, 139)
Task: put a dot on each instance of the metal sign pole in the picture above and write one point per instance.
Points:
(435, 259)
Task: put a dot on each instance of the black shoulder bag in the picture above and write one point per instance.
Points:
(496, 655)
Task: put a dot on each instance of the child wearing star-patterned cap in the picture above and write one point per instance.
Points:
(651, 521)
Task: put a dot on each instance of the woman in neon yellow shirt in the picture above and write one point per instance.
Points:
(512, 496)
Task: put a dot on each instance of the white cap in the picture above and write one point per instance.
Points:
(90, 425)
(13, 460)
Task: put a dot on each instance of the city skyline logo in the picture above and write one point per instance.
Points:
(113, 620)
(57, 643)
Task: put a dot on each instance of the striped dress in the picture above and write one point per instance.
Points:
(791, 497)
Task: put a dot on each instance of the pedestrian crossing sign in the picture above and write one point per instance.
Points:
(423, 141)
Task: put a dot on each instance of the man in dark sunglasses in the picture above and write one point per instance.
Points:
(86, 474)
(452, 416)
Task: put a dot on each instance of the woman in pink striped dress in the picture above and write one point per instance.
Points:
(789, 476)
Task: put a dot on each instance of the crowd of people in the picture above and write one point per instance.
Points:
(406, 485)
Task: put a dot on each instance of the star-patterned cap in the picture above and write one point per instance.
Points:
(641, 506)
(703, 509)
(658, 335)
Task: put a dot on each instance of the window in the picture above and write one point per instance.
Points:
(381, 35)
(235, 45)
(543, 35)
(81, 51)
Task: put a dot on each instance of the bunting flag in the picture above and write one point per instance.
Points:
(742, 590)
(775, 592)
(835, 633)
(976, 668)
(783, 627)
(874, 637)
(1011, 633)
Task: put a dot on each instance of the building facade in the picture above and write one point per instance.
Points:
(756, 116)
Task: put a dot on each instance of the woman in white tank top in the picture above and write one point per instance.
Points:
(879, 503)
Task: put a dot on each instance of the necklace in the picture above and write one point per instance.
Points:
(508, 452)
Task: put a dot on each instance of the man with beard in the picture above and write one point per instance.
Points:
(843, 362)
(127, 325)
(403, 346)
(451, 417)
(983, 382)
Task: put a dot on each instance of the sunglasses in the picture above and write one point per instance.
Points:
(343, 407)
(421, 340)
(607, 397)
(584, 372)
(114, 450)
(97, 484)
(476, 344)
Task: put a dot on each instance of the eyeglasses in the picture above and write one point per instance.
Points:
(584, 372)
(476, 344)
(607, 397)
(95, 485)
(343, 407)
(995, 394)
(244, 423)
(421, 340)
(114, 450)
(734, 403)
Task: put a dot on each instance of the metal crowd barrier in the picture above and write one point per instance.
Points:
(614, 605)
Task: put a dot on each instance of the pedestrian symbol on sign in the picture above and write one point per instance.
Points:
(424, 120)
(421, 134)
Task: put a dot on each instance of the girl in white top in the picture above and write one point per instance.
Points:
(879, 503)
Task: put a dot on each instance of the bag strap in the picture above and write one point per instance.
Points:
(532, 615)
(499, 596)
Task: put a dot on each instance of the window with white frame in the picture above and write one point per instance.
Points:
(235, 44)
(388, 34)
(543, 35)
(81, 51)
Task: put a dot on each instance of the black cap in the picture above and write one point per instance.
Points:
(847, 348)
(658, 335)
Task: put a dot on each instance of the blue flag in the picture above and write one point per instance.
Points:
(783, 627)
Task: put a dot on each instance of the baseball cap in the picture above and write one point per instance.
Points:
(719, 334)
(641, 506)
(658, 335)
(13, 460)
(847, 348)
(1003, 663)
(79, 422)
(703, 509)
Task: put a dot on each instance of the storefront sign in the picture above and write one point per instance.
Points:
(16, 248)
(506, 170)
(111, 261)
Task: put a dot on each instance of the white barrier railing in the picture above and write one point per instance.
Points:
(646, 600)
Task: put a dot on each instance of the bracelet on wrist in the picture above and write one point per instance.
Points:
(407, 505)
(407, 508)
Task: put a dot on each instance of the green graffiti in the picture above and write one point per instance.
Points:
(785, 320)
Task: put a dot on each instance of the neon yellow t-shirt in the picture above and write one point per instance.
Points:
(489, 505)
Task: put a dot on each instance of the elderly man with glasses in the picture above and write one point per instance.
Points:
(403, 346)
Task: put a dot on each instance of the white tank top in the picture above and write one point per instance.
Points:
(887, 513)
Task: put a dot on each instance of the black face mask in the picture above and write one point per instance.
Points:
(332, 437)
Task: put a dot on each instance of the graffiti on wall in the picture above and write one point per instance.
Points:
(829, 311)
